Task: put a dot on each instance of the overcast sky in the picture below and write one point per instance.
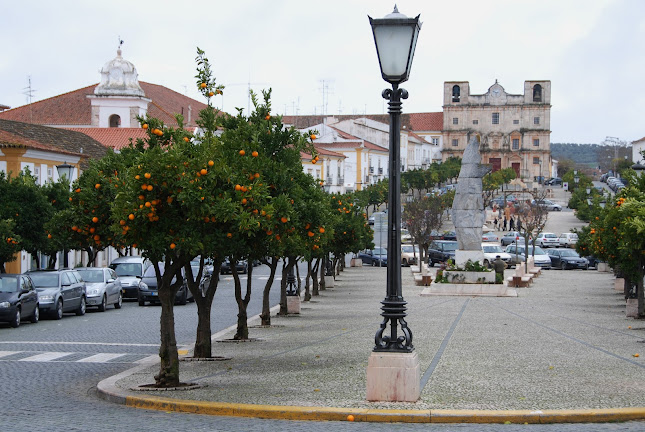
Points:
(314, 52)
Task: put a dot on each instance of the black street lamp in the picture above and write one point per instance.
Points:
(65, 170)
(395, 37)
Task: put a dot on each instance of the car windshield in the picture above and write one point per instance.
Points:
(44, 280)
(127, 269)
(92, 275)
(8, 283)
(538, 250)
(450, 246)
(492, 249)
(569, 253)
(409, 249)
(379, 251)
(150, 271)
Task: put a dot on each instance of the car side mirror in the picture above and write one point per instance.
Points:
(24, 291)
(111, 280)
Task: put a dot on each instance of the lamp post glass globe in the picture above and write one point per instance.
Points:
(65, 170)
(395, 37)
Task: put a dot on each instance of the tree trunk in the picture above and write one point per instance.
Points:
(169, 367)
(286, 267)
(52, 261)
(639, 288)
(265, 316)
(242, 303)
(314, 278)
(298, 277)
(323, 271)
(204, 302)
(307, 278)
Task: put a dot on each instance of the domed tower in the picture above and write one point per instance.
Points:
(118, 99)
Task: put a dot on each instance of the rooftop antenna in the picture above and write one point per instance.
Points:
(29, 92)
(120, 43)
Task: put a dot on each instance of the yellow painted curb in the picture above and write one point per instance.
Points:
(390, 416)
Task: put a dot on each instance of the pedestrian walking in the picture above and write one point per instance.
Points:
(519, 224)
(512, 224)
(495, 222)
(499, 267)
(505, 223)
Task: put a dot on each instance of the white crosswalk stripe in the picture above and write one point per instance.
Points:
(48, 356)
(100, 358)
(76, 357)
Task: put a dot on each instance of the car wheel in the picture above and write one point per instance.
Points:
(15, 322)
(119, 301)
(373, 264)
(58, 313)
(563, 266)
(142, 302)
(81, 308)
(404, 263)
(431, 263)
(35, 316)
(103, 304)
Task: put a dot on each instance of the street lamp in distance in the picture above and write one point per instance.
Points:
(65, 170)
(393, 371)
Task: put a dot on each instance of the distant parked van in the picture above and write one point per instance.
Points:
(130, 270)
(568, 240)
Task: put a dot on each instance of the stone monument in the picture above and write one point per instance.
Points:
(468, 206)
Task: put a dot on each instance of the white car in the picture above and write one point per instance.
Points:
(491, 251)
(490, 237)
(547, 204)
(568, 240)
(541, 259)
(547, 239)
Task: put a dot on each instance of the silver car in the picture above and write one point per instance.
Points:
(541, 259)
(103, 287)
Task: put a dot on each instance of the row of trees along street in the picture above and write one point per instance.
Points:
(616, 231)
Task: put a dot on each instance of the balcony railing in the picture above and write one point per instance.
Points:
(341, 181)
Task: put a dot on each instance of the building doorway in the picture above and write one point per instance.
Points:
(516, 168)
(496, 163)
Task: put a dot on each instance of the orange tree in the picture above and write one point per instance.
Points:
(617, 235)
(24, 202)
(9, 242)
(150, 214)
(264, 162)
(353, 234)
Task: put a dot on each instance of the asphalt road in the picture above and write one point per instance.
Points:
(49, 373)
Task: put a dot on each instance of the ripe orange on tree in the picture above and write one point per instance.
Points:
(203, 171)
(145, 126)
(131, 216)
(203, 85)
(97, 186)
(211, 163)
(172, 245)
(254, 154)
(284, 219)
(242, 152)
(95, 219)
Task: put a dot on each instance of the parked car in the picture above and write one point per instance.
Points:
(242, 266)
(540, 258)
(374, 257)
(409, 254)
(18, 299)
(547, 204)
(566, 259)
(59, 291)
(502, 201)
(405, 236)
(490, 237)
(130, 270)
(511, 237)
(593, 261)
(553, 181)
(149, 291)
(103, 287)
(491, 251)
(441, 251)
(568, 240)
(547, 239)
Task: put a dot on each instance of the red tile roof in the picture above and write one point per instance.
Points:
(431, 121)
(114, 138)
(322, 151)
(74, 108)
(367, 144)
(8, 139)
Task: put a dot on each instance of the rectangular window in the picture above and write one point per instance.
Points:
(536, 120)
(516, 143)
(435, 140)
(455, 120)
(495, 118)
(516, 122)
(536, 142)
(455, 142)
(475, 121)
(536, 160)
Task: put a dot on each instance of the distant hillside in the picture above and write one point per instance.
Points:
(583, 154)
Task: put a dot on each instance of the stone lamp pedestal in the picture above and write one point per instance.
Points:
(393, 377)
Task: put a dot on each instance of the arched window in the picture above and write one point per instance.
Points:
(456, 93)
(537, 93)
(115, 121)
